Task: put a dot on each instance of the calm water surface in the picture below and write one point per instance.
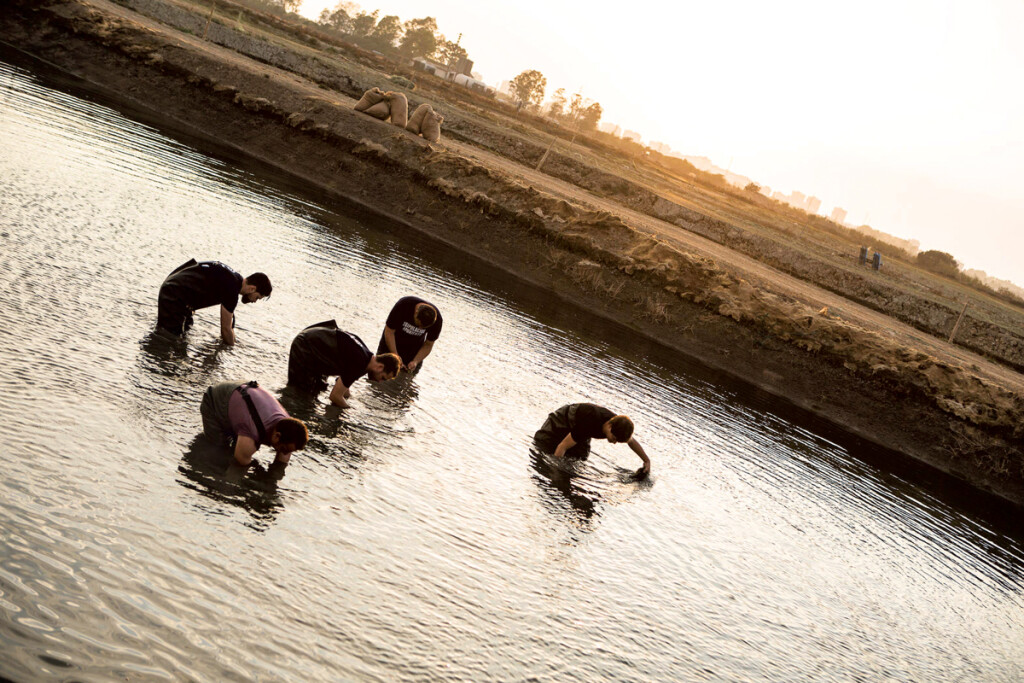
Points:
(416, 538)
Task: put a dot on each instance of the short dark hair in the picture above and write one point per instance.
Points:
(290, 430)
(425, 315)
(391, 362)
(621, 427)
(262, 284)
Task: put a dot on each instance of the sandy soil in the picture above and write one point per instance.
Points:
(852, 365)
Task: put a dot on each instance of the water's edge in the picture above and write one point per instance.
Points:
(997, 503)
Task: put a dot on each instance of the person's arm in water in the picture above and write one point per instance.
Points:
(227, 319)
(567, 443)
(245, 447)
(420, 355)
(339, 393)
(639, 450)
(389, 340)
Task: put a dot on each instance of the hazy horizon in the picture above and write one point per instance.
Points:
(906, 114)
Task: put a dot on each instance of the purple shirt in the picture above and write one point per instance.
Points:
(271, 412)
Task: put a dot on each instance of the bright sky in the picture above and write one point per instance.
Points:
(907, 113)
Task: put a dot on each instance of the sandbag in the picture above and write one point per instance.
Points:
(370, 98)
(399, 108)
(416, 120)
(381, 110)
(431, 127)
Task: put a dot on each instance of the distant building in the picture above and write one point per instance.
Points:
(464, 67)
(702, 163)
(474, 84)
(909, 246)
(431, 67)
(838, 216)
(660, 148)
(798, 200)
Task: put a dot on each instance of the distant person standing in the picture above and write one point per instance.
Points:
(194, 285)
(567, 432)
(322, 350)
(245, 417)
(412, 327)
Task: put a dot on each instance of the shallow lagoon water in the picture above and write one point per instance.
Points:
(417, 538)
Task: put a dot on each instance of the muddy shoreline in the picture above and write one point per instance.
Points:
(888, 394)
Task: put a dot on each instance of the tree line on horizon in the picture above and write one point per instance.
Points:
(420, 38)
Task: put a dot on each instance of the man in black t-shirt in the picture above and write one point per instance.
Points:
(568, 431)
(322, 350)
(412, 327)
(196, 285)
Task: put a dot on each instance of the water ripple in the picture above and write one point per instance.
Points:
(418, 537)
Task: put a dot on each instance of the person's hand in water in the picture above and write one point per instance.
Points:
(643, 472)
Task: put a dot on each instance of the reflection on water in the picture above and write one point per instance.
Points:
(417, 537)
(211, 472)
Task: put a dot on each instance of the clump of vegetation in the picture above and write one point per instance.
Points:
(402, 81)
(940, 263)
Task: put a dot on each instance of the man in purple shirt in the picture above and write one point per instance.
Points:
(247, 416)
(194, 285)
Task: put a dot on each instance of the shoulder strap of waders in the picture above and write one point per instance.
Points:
(187, 264)
(330, 324)
(255, 414)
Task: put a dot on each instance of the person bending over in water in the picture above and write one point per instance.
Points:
(412, 327)
(322, 350)
(196, 285)
(567, 432)
(248, 417)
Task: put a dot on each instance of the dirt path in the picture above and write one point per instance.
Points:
(763, 276)
(851, 368)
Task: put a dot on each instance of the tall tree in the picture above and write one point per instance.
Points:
(419, 39)
(557, 110)
(363, 24)
(450, 53)
(386, 33)
(591, 116)
(576, 107)
(528, 87)
(288, 5)
(340, 17)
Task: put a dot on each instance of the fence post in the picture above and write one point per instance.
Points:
(545, 156)
(206, 29)
(957, 326)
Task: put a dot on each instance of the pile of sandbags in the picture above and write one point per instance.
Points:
(426, 122)
(394, 105)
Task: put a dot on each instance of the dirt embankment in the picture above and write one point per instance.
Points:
(473, 125)
(933, 410)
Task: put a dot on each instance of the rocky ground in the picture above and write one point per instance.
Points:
(627, 252)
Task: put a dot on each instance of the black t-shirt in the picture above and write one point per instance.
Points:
(408, 337)
(206, 283)
(328, 351)
(587, 422)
